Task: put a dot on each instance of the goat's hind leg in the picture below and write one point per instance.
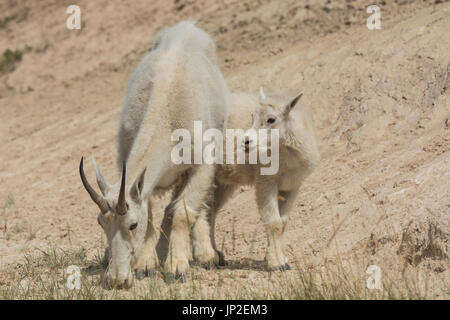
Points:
(203, 232)
(221, 194)
(286, 200)
(202, 249)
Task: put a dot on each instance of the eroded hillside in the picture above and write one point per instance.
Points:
(379, 99)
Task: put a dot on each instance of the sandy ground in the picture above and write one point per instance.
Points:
(379, 99)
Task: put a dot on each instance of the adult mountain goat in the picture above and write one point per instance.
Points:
(175, 83)
(275, 193)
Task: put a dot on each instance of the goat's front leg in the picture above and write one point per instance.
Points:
(267, 199)
(286, 200)
(148, 261)
(183, 211)
(203, 249)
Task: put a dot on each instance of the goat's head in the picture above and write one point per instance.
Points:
(123, 217)
(273, 112)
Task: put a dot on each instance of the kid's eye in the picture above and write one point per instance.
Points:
(271, 120)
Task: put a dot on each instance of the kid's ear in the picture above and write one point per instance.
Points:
(262, 95)
(293, 102)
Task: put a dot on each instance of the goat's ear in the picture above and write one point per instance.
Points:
(292, 103)
(103, 184)
(262, 95)
(137, 187)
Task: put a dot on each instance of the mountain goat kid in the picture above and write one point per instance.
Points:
(298, 155)
(175, 83)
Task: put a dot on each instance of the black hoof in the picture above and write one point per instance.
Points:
(151, 273)
(208, 265)
(169, 277)
(182, 277)
(172, 278)
(142, 273)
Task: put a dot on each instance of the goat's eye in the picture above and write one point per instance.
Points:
(271, 120)
(133, 226)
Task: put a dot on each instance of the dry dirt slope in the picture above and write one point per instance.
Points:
(380, 102)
